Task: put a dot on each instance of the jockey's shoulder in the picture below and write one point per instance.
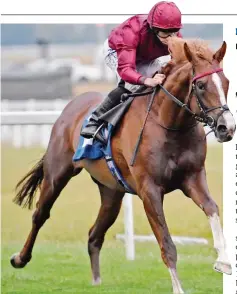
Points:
(135, 22)
(140, 17)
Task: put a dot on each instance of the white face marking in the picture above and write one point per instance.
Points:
(228, 117)
(217, 81)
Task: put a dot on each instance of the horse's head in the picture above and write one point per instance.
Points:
(209, 84)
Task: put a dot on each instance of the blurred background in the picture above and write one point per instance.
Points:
(43, 66)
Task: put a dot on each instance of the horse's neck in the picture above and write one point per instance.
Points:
(170, 114)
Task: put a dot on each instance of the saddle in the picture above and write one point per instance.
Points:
(114, 115)
(93, 149)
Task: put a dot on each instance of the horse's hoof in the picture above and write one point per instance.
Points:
(96, 282)
(16, 261)
(223, 267)
(178, 291)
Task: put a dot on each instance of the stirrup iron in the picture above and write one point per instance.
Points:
(97, 131)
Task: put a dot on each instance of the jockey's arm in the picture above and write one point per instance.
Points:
(127, 66)
(127, 69)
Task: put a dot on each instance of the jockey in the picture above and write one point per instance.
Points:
(135, 50)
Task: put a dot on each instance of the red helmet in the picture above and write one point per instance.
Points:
(165, 15)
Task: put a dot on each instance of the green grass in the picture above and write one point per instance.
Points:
(60, 262)
(64, 267)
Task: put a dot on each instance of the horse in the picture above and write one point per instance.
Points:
(171, 154)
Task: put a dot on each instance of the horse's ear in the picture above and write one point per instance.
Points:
(188, 52)
(219, 55)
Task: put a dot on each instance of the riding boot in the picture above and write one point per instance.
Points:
(91, 130)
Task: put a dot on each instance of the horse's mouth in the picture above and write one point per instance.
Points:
(224, 138)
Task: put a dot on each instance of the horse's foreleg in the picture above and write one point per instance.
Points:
(54, 181)
(109, 210)
(195, 186)
(153, 203)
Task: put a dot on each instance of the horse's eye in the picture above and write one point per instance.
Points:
(201, 86)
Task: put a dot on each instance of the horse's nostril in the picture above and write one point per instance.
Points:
(222, 129)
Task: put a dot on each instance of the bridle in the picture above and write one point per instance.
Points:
(207, 119)
(204, 116)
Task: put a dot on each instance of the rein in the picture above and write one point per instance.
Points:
(154, 90)
(203, 118)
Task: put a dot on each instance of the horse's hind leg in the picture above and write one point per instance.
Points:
(110, 206)
(56, 175)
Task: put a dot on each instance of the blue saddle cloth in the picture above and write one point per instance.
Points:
(93, 149)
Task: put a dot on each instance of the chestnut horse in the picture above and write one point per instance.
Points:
(171, 154)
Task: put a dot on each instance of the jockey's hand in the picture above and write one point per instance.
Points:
(156, 80)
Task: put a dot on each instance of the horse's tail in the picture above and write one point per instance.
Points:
(29, 185)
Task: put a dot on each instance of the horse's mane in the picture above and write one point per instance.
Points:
(198, 47)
